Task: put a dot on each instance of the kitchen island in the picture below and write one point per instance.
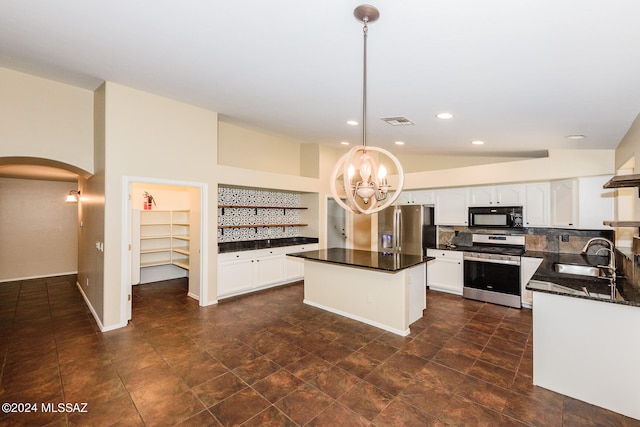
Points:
(385, 290)
(585, 342)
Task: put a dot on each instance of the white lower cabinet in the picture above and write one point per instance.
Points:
(269, 269)
(446, 272)
(528, 267)
(235, 272)
(293, 268)
(248, 271)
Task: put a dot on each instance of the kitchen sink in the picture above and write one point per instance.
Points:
(581, 270)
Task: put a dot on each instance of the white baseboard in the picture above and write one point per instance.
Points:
(95, 315)
(42, 276)
(359, 319)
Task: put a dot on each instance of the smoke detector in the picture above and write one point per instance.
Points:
(397, 121)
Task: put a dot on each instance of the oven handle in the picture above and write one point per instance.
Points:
(494, 261)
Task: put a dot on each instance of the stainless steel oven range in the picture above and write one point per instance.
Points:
(492, 269)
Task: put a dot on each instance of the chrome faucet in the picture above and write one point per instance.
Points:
(612, 261)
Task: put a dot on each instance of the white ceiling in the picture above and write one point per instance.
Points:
(520, 75)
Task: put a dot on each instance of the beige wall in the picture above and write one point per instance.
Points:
(157, 138)
(416, 162)
(248, 149)
(627, 157)
(45, 119)
(91, 216)
(559, 164)
(629, 147)
(38, 235)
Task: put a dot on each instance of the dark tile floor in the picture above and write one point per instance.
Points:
(267, 359)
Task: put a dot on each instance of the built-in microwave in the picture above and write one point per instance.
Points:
(496, 217)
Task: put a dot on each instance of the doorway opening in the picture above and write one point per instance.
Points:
(337, 236)
(166, 227)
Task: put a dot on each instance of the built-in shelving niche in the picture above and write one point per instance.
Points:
(253, 214)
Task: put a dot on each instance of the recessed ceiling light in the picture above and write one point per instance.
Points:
(477, 142)
(399, 143)
(352, 122)
(444, 116)
(344, 143)
(575, 136)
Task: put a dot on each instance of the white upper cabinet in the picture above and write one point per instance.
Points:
(595, 204)
(405, 198)
(564, 203)
(581, 203)
(481, 196)
(451, 206)
(536, 206)
(510, 195)
(416, 197)
(497, 195)
(424, 197)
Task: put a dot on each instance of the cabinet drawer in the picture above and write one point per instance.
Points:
(302, 248)
(438, 253)
(230, 256)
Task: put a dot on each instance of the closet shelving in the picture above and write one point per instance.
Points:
(164, 238)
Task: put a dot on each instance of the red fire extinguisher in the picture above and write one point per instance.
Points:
(148, 201)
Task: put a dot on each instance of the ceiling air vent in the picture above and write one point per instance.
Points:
(397, 121)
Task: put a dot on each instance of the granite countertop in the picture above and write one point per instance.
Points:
(250, 245)
(547, 280)
(381, 261)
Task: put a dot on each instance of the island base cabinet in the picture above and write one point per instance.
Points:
(587, 350)
(390, 301)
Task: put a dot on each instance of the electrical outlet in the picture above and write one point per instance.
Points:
(370, 298)
(565, 237)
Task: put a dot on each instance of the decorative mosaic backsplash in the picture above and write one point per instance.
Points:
(247, 216)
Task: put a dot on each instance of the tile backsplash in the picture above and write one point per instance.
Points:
(537, 239)
(230, 196)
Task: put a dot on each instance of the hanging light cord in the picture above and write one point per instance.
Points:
(365, 30)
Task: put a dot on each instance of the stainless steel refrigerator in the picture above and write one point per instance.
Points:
(406, 229)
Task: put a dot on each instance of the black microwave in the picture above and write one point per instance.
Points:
(496, 217)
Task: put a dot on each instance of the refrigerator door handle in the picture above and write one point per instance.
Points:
(399, 230)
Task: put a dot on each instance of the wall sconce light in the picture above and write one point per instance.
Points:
(73, 196)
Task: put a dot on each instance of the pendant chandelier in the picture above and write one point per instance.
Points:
(361, 173)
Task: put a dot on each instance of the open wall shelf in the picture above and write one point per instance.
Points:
(256, 208)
